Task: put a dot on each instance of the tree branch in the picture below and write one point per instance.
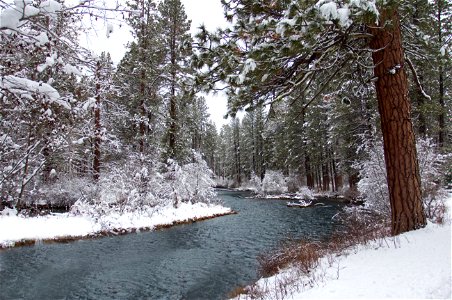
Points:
(416, 79)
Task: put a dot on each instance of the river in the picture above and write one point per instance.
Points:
(204, 260)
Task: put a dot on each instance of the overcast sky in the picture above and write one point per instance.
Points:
(207, 12)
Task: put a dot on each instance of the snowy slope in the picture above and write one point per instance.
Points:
(414, 265)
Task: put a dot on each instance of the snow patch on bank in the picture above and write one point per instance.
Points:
(55, 226)
(416, 264)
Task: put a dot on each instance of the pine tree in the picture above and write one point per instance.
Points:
(143, 61)
(276, 48)
(176, 40)
(443, 19)
(37, 67)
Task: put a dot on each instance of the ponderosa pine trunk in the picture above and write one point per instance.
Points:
(398, 136)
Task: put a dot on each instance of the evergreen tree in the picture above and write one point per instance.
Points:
(176, 39)
(143, 61)
(276, 48)
(38, 64)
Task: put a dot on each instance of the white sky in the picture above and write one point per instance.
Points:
(207, 12)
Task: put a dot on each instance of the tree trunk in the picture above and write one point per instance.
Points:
(398, 136)
(441, 117)
(353, 179)
(143, 110)
(443, 109)
(97, 129)
(173, 105)
(325, 177)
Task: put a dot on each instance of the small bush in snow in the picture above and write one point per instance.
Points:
(293, 183)
(431, 166)
(191, 182)
(373, 185)
(274, 182)
(254, 184)
(305, 193)
(65, 191)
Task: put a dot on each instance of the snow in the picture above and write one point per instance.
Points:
(283, 24)
(51, 6)
(249, 66)
(27, 88)
(367, 5)
(416, 264)
(19, 228)
(31, 11)
(10, 18)
(343, 15)
(21, 3)
(330, 11)
(42, 39)
(71, 70)
(109, 29)
(50, 61)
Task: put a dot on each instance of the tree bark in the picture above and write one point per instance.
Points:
(398, 136)
(97, 125)
(173, 104)
(325, 177)
(441, 117)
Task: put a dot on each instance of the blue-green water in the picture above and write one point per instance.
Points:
(204, 260)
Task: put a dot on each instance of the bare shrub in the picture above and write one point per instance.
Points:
(305, 257)
(240, 290)
(304, 254)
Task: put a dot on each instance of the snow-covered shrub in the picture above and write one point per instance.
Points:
(374, 188)
(373, 185)
(192, 182)
(65, 191)
(8, 212)
(432, 169)
(224, 182)
(274, 182)
(254, 184)
(144, 184)
(131, 186)
(305, 193)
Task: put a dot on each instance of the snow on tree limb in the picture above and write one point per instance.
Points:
(27, 88)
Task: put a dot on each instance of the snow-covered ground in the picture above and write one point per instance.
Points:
(15, 229)
(416, 264)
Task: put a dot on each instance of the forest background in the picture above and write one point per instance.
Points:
(77, 129)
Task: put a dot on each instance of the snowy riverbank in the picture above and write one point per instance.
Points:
(413, 265)
(18, 230)
(416, 264)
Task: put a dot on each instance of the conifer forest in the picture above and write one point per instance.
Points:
(333, 159)
(343, 97)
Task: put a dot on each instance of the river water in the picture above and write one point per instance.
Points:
(204, 260)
